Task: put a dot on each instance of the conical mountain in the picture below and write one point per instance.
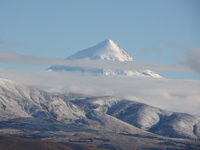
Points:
(106, 50)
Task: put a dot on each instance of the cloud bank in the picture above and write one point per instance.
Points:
(174, 95)
(99, 64)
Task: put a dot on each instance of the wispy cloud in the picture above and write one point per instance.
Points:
(177, 45)
(191, 56)
(150, 50)
(100, 64)
(31, 60)
(175, 95)
(2, 43)
(6, 45)
(192, 59)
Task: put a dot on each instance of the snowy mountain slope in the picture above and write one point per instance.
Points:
(178, 125)
(106, 50)
(81, 112)
(17, 100)
(112, 124)
(145, 117)
(157, 120)
(34, 109)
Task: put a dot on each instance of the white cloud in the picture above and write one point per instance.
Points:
(30, 60)
(11, 44)
(148, 50)
(100, 64)
(175, 95)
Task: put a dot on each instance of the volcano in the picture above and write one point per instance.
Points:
(107, 50)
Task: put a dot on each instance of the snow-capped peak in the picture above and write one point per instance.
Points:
(106, 50)
(109, 44)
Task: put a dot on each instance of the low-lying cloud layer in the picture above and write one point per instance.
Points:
(99, 64)
(175, 95)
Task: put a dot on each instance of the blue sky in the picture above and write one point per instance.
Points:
(154, 31)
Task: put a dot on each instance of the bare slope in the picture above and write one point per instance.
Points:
(17, 143)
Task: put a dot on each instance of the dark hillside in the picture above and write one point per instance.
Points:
(16, 143)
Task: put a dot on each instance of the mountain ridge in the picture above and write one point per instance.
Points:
(122, 124)
(19, 101)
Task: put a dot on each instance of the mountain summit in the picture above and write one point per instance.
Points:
(106, 50)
